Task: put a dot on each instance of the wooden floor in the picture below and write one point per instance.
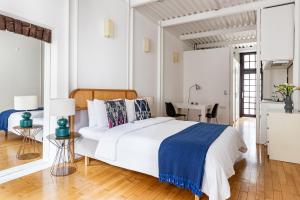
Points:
(9, 145)
(256, 178)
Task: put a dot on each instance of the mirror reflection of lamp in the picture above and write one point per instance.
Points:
(62, 108)
(197, 87)
(25, 103)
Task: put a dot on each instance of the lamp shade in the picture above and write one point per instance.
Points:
(62, 107)
(25, 102)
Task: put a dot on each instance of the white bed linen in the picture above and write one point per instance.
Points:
(94, 133)
(36, 116)
(135, 146)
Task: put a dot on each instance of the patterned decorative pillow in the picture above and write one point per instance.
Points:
(116, 113)
(142, 109)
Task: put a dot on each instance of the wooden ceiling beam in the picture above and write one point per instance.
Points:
(218, 32)
(137, 3)
(224, 12)
(24, 28)
(226, 43)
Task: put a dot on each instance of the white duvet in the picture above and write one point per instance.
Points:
(135, 146)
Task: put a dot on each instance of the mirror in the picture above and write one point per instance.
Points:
(275, 74)
(22, 89)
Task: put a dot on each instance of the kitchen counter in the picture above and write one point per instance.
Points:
(270, 101)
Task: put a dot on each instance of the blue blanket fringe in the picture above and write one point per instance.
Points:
(181, 183)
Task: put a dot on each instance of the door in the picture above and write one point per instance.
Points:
(248, 84)
(236, 89)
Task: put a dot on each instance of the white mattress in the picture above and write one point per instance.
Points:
(93, 133)
(37, 118)
(135, 146)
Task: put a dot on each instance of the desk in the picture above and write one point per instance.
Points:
(202, 107)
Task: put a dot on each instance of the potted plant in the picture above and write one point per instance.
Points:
(286, 90)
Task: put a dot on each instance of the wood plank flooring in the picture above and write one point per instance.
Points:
(9, 146)
(256, 177)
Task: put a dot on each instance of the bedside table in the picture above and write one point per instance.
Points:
(29, 148)
(63, 163)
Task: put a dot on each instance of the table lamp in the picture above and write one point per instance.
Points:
(197, 87)
(62, 108)
(25, 103)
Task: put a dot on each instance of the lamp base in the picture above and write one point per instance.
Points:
(26, 122)
(62, 132)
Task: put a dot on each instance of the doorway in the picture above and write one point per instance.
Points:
(248, 84)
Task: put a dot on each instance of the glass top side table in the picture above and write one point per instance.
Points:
(29, 148)
(63, 163)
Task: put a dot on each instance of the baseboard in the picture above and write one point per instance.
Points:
(23, 170)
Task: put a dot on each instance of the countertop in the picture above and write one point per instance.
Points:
(272, 102)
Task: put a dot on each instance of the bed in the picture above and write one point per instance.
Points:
(135, 146)
(14, 120)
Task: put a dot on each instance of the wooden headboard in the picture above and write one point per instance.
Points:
(82, 95)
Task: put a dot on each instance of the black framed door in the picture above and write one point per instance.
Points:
(248, 84)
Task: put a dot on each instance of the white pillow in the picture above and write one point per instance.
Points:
(91, 114)
(100, 113)
(130, 110)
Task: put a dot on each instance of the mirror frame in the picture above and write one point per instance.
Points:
(48, 149)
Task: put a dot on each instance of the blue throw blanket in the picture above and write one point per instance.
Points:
(5, 115)
(182, 156)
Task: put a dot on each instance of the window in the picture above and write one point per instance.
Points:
(248, 84)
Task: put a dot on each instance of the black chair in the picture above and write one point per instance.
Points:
(213, 114)
(171, 112)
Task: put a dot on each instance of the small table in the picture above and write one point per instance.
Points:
(29, 148)
(63, 163)
(202, 107)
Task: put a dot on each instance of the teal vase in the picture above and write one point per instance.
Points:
(62, 130)
(26, 122)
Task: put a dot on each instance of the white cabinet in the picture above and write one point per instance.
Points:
(284, 137)
(265, 108)
(277, 33)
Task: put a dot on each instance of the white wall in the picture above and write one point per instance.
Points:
(290, 75)
(20, 68)
(211, 69)
(173, 72)
(145, 64)
(102, 62)
(51, 14)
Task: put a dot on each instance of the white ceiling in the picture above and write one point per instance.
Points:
(170, 9)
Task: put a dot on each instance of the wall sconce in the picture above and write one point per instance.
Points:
(147, 45)
(175, 57)
(108, 28)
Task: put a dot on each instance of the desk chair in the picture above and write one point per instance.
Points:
(171, 112)
(212, 115)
